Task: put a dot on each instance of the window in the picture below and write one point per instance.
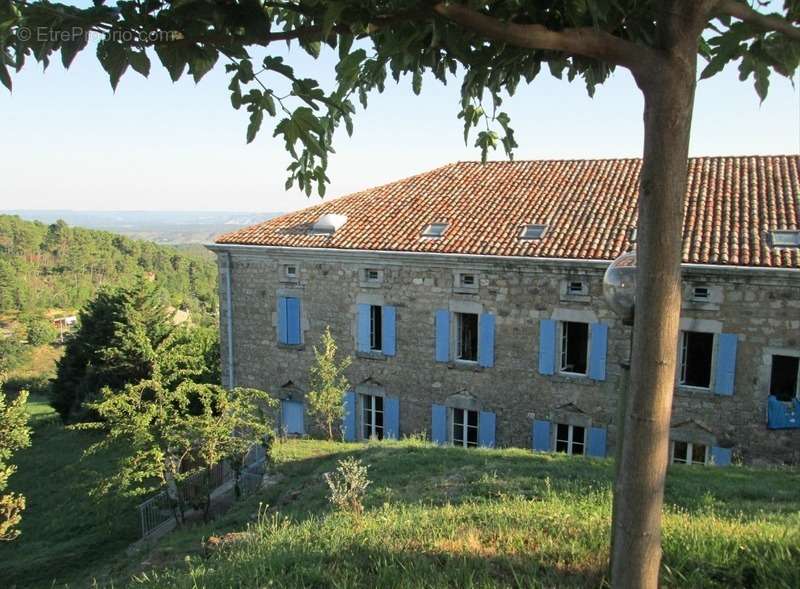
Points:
(576, 287)
(467, 337)
(465, 428)
(701, 293)
(290, 271)
(371, 417)
(574, 347)
(783, 382)
(784, 238)
(372, 275)
(697, 350)
(689, 453)
(533, 231)
(466, 280)
(434, 230)
(375, 328)
(570, 439)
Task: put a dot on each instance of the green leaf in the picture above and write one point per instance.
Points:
(139, 62)
(173, 58)
(256, 117)
(5, 78)
(114, 60)
(201, 62)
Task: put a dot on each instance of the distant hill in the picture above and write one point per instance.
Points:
(165, 227)
(45, 266)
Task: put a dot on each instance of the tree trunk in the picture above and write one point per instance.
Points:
(639, 488)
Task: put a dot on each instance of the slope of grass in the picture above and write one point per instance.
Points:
(447, 517)
(67, 535)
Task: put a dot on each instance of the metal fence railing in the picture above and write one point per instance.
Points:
(157, 512)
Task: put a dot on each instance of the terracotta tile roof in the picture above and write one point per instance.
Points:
(589, 207)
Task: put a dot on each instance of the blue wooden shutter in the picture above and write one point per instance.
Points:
(598, 353)
(439, 424)
(721, 456)
(391, 418)
(293, 321)
(486, 341)
(597, 442)
(389, 343)
(282, 326)
(292, 417)
(362, 328)
(486, 429)
(547, 346)
(726, 364)
(442, 335)
(541, 435)
(349, 419)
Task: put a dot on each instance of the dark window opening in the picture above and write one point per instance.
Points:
(574, 347)
(467, 280)
(696, 354)
(372, 275)
(375, 328)
(570, 439)
(575, 287)
(701, 292)
(465, 428)
(372, 417)
(688, 453)
(467, 336)
(785, 374)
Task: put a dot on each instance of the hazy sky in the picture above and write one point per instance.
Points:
(68, 142)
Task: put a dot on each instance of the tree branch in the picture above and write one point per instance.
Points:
(585, 41)
(767, 22)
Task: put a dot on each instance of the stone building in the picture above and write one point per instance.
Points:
(470, 298)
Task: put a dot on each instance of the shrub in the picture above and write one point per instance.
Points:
(348, 485)
(40, 331)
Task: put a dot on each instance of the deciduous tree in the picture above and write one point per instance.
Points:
(14, 434)
(325, 398)
(491, 47)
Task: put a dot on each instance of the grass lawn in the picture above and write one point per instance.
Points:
(67, 536)
(448, 517)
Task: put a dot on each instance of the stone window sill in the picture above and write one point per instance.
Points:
(467, 366)
(371, 355)
(291, 346)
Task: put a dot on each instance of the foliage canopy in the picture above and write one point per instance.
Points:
(491, 47)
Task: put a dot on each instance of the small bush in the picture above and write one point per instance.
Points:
(348, 485)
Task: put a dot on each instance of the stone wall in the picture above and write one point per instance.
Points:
(761, 306)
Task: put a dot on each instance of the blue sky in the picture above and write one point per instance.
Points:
(69, 142)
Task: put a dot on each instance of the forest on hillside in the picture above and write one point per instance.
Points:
(57, 266)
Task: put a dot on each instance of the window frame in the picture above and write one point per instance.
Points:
(561, 350)
(533, 231)
(683, 354)
(456, 337)
(433, 231)
(368, 275)
(570, 440)
(688, 459)
(797, 377)
(465, 443)
(368, 405)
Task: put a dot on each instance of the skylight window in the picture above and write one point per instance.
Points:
(434, 230)
(329, 223)
(784, 238)
(533, 231)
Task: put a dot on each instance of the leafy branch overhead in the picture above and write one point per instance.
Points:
(491, 46)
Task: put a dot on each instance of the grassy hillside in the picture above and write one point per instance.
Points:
(435, 517)
(67, 536)
(450, 517)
